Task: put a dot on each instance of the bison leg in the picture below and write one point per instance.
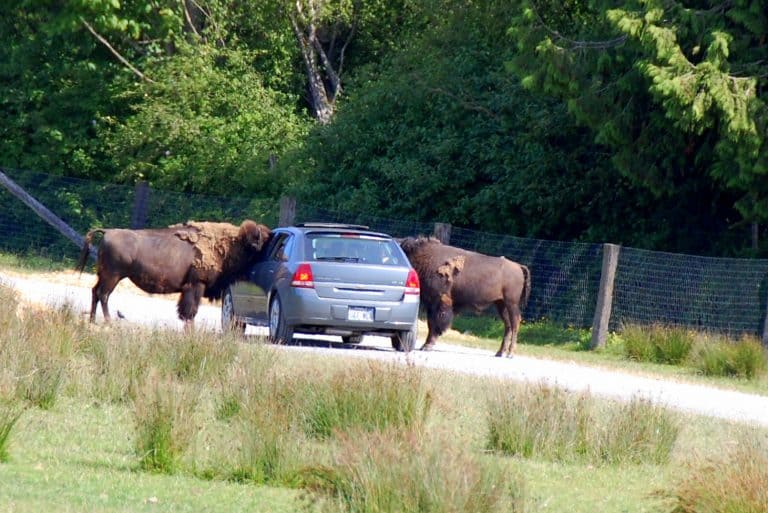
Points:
(510, 314)
(100, 294)
(439, 320)
(431, 336)
(189, 302)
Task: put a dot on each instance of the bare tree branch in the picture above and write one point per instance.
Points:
(188, 17)
(119, 57)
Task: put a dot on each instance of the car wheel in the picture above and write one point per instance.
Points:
(404, 340)
(279, 331)
(352, 339)
(229, 320)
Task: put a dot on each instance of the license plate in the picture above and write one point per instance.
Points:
(356, 313)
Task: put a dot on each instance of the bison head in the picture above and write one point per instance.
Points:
(253, 235)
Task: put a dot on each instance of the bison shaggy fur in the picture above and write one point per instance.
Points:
(453, 279)
(194, 259)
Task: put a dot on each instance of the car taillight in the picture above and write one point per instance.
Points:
(412, 282)
(303, 278)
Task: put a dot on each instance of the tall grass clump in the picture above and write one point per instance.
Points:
(658, 344)
(540, 421)
(732, 483)
(194, 355)
(10, 413)
(163, 411)
(118, 360)
(745, 358)
(37, 347)
(374, 472)
(638, 431)
(271, 449)
(265, 443)
(251, 380)
(370, 396)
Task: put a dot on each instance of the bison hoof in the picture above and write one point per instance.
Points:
(427, 347)
(499, 354)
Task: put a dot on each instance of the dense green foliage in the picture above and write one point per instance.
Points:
(639, 122)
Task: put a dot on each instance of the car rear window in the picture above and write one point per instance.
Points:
(338, 247)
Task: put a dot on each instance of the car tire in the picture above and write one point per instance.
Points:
(405, 340)
(352, 339)
(279, 331)
(229, 321)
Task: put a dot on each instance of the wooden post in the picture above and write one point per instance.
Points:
(765, 328)
(287, 211)
(140, 205)
(605, 295)
(443, 232)
(40, 209)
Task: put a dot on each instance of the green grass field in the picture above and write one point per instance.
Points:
(242, 426)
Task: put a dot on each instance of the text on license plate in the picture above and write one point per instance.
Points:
(358, 313)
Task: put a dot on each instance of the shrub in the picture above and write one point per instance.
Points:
(733, 483)
(403, 472)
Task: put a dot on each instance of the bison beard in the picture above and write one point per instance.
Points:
(453, 279)
(196, 259)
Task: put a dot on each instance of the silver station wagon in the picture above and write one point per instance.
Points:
(328, 279)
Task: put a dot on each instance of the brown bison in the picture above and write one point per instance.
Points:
(453, 279)
(197, 259)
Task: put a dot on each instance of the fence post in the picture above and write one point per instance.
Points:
(605, 295)
(140, 205)
(287, 211)
(443, 232)
(42, 211)
(765, 328)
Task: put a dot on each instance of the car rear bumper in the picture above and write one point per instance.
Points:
(305, 311)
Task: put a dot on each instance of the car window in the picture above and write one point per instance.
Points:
(353, 248)
(280, 247)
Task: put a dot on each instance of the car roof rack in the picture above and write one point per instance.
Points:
(333, 225)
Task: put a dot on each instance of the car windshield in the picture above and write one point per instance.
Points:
(338, 247)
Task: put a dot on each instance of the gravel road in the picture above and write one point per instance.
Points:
(160, 311)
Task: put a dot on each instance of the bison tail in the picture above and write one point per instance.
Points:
(525, 294)
(86, 251)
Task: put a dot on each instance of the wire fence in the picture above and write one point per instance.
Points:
(717, 294)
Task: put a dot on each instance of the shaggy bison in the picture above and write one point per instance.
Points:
(453, 279)
(197, 259)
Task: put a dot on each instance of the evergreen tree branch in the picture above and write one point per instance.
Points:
(577, 44)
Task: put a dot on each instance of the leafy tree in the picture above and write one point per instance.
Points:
(205, 124)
